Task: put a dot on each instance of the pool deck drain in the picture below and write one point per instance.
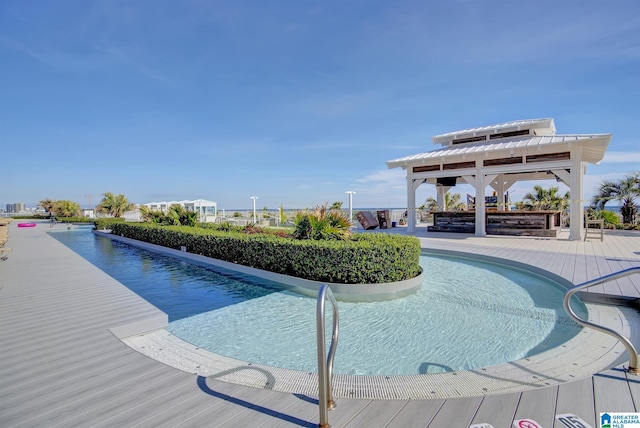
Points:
(586, 353)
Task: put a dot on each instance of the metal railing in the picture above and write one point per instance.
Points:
(325, 367)
(631, 350)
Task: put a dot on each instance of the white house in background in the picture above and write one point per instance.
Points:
(207, 210)
(498, 156)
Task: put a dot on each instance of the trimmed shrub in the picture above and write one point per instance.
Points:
(74, 220)
(107, 222)
(366, 258)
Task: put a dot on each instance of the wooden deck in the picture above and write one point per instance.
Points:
(62, 364)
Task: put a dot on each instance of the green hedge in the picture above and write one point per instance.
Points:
(74, 220)
(367, 258)
(106, 223)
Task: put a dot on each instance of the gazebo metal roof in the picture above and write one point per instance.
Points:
(594, 147)
(513, 125)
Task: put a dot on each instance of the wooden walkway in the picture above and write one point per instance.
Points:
(62, 365)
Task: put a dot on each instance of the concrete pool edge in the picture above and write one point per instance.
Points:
(584, 296)
(586, 353)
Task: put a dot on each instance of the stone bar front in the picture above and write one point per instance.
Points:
(517, 223)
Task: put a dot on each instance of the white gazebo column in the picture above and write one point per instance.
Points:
(481, 207)
(481, 230)
(412, 185)
(506, 186)
(576, 192)
(500, 190)
(441, 197)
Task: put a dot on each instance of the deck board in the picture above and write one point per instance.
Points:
(576, 398)
(181, 409)
(539, 405)
(376, 413)
(62, 366)
(346, 410)
(456, 412)
(611, 392)
(416, 413)
(497, 410)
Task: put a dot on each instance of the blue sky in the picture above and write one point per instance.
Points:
(296, 102)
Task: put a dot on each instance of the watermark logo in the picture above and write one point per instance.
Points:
(619, 420)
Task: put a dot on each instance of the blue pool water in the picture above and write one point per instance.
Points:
(178, 288)
(468, 314)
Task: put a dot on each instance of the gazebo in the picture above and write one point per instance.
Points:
(499, 156)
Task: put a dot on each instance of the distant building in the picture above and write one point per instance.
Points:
(16, 208)
(207, 210)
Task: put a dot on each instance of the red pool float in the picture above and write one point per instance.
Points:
(26, 225)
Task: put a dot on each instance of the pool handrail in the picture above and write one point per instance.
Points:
(325, 367)
(631, 350)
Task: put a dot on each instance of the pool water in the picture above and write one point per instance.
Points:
(468, 314)
(178, 288)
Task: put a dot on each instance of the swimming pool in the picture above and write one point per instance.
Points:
(467, 315)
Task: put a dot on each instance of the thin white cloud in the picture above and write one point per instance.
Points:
(369, 145)
(57, 60)
(595, 31)
(621, 157)
(128, 59)
(387, 185)
(336, 104)
(592, 181)
(407, 148)
(321, 145)
(221, 146)
(98, 59)
(384, 176)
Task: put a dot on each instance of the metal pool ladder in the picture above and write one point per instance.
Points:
(631, 350)
(325, 367)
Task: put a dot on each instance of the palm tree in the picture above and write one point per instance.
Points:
(625, 190)
(47, 204)
(145, 213)
(66, 209)
(545, 199)
(451, 200)
(322, 223)
(149, 215)
(178, 215)
(611, 219)
(114, 205)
